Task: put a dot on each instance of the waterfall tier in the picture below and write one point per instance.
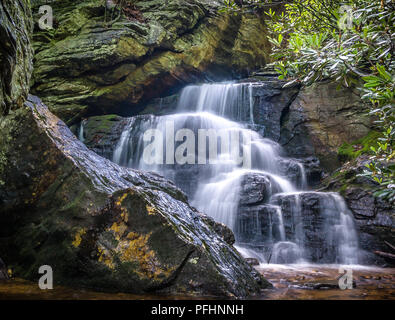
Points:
(251, 186)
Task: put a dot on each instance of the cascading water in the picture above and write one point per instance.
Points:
(81, 136)
(275, 221)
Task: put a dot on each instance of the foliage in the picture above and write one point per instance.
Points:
(351, 42)
(350, 151)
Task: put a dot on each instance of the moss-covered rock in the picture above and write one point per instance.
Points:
(102, 226)
(101, 133)
(16, 54)
(86, 67)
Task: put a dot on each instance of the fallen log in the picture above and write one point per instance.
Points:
(385, 254)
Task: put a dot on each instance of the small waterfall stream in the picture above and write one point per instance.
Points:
(248, 187)
(81, 135)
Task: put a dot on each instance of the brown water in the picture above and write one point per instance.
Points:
(321, 283)
(290, 282)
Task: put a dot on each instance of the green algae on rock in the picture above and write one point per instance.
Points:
(16, 54)
(84, 67)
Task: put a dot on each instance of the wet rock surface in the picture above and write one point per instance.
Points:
(101, 133)
(374, 217)
(254, 226)
(86, 66)
(3, 270)
(320, 120)
(16, 53)
(222, 230)
(296, 227)
(103, 226)
(252, 261)
(271, 102)
(308, 225)
(313, 170)
(256, 188)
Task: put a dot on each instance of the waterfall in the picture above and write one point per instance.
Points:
(227, 100)
(81, 136)
(180, 147)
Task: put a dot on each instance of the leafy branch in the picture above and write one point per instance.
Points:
(312, 42)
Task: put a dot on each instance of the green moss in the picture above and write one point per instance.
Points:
(98, 126)
(102, 123)
(343, 189)
(349, 151)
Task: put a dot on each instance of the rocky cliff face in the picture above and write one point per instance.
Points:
(320, 120)
(333, 126)
(87, 66)
(16, 54)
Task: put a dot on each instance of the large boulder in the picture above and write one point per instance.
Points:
(103, 226)
(320, 120)
(85, 66)
(256, 188)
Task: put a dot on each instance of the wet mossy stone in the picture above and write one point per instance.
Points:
(102, 226)
(85, 68)
(16, 53)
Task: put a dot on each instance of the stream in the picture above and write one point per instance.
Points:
(290, 282)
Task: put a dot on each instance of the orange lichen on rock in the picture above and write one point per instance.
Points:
(105, 257)
(135, 249)
(150, 210)
(118, 229)
(78, 237)
(120, 199)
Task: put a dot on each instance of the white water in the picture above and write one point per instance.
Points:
(216, 188)
(81, 131)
